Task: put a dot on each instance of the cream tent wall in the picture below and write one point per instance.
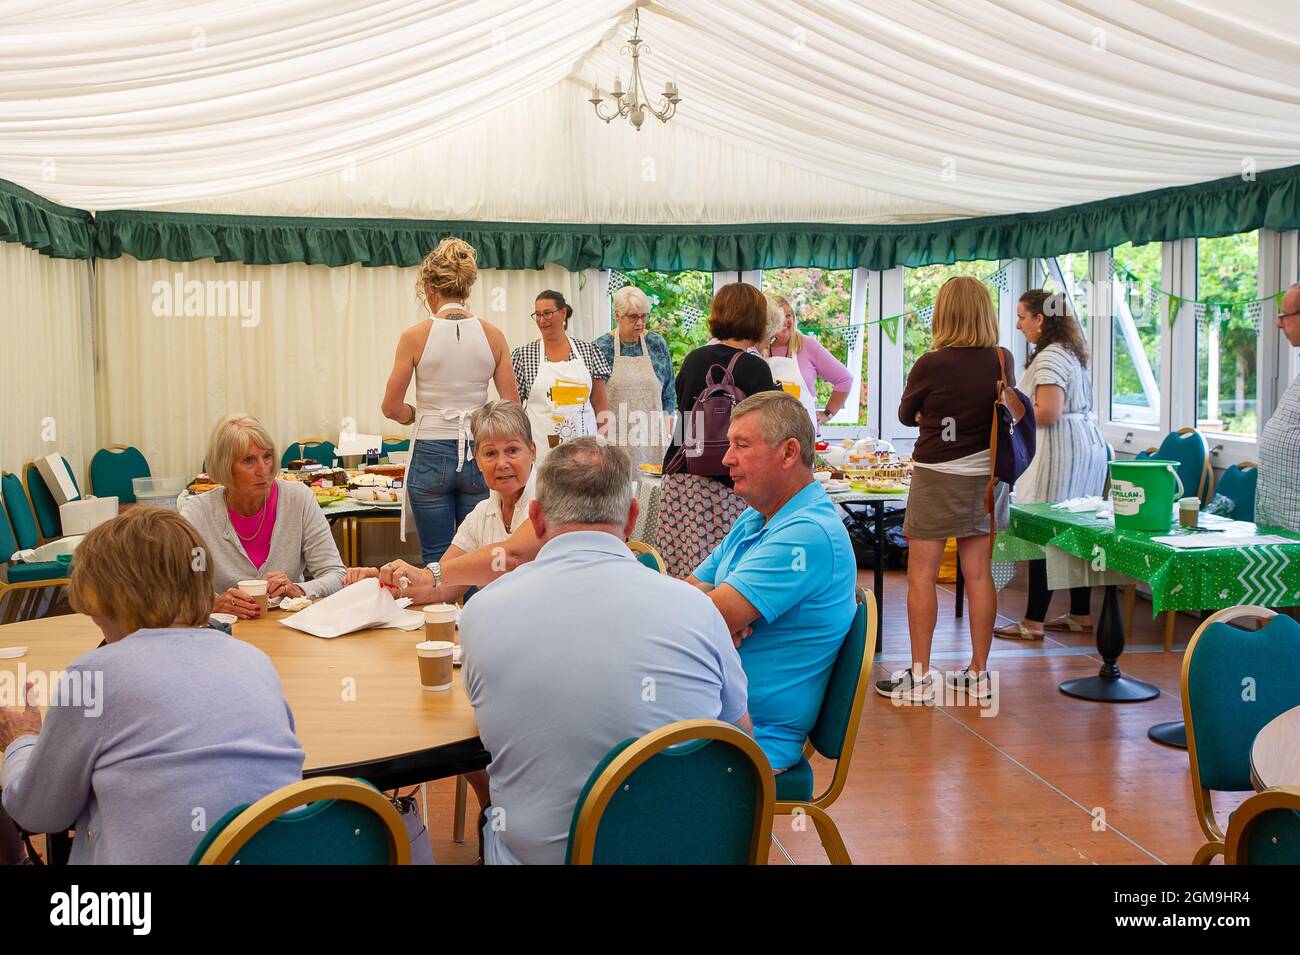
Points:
(320, 350)
(46, 360)
(916, 108)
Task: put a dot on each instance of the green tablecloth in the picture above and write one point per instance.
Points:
(1266, 574)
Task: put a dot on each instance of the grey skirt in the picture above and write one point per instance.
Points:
(940, 506)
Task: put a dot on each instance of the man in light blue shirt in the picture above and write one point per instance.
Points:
(580, 649)
(784, 577)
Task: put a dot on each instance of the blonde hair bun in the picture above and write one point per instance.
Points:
(450, 269)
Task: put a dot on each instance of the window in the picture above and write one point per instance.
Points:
(1227, 378)
(1073, 270)
(920, 286)
(823, 299)
(670, 293)
(1135, 335)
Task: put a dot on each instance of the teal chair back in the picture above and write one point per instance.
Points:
(1193, 456)
(649, 560)
(697, 792)
(403, 445)
(322, 452)
(43, 503)
(1237, 681)
(832, 724)
(111, 471)
(20, 513)
(334, 831)
(1265, 829)
(1239, 484)
(8, 544)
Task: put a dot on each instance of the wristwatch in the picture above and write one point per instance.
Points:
(437, 574)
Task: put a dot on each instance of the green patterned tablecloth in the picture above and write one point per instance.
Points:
(1266, 574)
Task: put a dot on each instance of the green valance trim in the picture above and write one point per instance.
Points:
(1221, 207)
(58, 231)
(275, 240)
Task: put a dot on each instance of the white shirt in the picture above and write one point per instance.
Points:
(483, 525)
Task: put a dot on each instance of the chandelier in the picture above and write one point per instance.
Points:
(631, 103)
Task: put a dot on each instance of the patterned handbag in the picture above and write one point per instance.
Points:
(1012, 442)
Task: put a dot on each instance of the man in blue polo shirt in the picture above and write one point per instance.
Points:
(783, 578)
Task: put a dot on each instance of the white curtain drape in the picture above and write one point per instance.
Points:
(320, 352)
(887, 109)
(46, 359)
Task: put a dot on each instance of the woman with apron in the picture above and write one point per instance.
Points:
(452, 355)
(642, 393)
(561, 379)
(811, 363)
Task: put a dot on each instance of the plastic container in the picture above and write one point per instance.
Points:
(1143, 494)
(157, 492)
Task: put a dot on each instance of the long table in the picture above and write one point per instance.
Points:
(356, 700)
(1211, 579)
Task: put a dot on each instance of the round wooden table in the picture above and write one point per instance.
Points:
(356, 700)
(1275, 754)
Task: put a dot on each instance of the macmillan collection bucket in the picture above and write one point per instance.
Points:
(1143, 494)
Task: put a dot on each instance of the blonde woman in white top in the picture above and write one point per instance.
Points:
(452, 355)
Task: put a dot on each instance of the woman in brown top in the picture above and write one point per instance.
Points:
(949, 396)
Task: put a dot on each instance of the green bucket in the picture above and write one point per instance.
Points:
(1143, 494)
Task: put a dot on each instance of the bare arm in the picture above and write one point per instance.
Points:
(600, 405)
(504, 374)
(395, 405)
(1049, 404)
(835, 403)
(699, 584)
(478, 567)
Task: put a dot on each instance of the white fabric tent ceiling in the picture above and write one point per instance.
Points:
(878, 111)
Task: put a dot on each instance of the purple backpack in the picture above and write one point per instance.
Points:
(704, 437)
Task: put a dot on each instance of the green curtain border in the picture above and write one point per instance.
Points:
(60, 232)
(1219, 207)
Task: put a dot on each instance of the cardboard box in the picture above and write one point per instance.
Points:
(81, 517)
(57, 474)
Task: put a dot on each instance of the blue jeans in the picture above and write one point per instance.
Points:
(440, 496)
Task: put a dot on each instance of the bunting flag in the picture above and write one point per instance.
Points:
(1175, 303)
(1000, 279)
(890, 327)
(690, 315)
(1254, 311)
(1198, 312)
(617, 280)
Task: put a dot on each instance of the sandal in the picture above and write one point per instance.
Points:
(1068, 624)
(1016, 631)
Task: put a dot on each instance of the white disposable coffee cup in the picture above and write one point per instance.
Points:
(440, 623)
(257, 590)
(435, 657)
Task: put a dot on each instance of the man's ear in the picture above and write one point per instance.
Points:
(790, 453)
(634, 509)
(537, 517)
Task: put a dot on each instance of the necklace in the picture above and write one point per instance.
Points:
(259, 524)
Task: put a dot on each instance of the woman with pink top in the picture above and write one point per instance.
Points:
(791, 352)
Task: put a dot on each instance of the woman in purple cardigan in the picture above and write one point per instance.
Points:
(814, 361)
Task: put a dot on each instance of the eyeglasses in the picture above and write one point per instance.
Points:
(1287, 315)
(631, 317)
(547, 314)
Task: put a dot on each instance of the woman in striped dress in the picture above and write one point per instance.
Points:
(1070, 460)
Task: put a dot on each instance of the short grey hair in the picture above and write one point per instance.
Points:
(585, 481)
(630, 296)
(781, 417)
(230, 441)
(501, 419)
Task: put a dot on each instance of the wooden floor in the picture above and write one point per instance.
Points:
(1048, 779)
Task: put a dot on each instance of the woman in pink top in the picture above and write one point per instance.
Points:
(815, 362)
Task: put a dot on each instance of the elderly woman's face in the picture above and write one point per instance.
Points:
(631, 324)
(505, 462)
(253, 471)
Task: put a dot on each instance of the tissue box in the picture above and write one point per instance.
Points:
(57, 474)
(81, 517)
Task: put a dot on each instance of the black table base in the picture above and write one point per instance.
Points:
(1109, 685)
(1171, 734)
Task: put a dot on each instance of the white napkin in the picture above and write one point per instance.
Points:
(1080, 505)
(11, 653)
(359, 607)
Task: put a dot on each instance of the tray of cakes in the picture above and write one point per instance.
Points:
(377, 490)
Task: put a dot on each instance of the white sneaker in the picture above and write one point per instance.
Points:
(905, 688)
(975, 687)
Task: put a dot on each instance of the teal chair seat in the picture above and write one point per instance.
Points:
(45, 570)
(111, 472)
(796, 783)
